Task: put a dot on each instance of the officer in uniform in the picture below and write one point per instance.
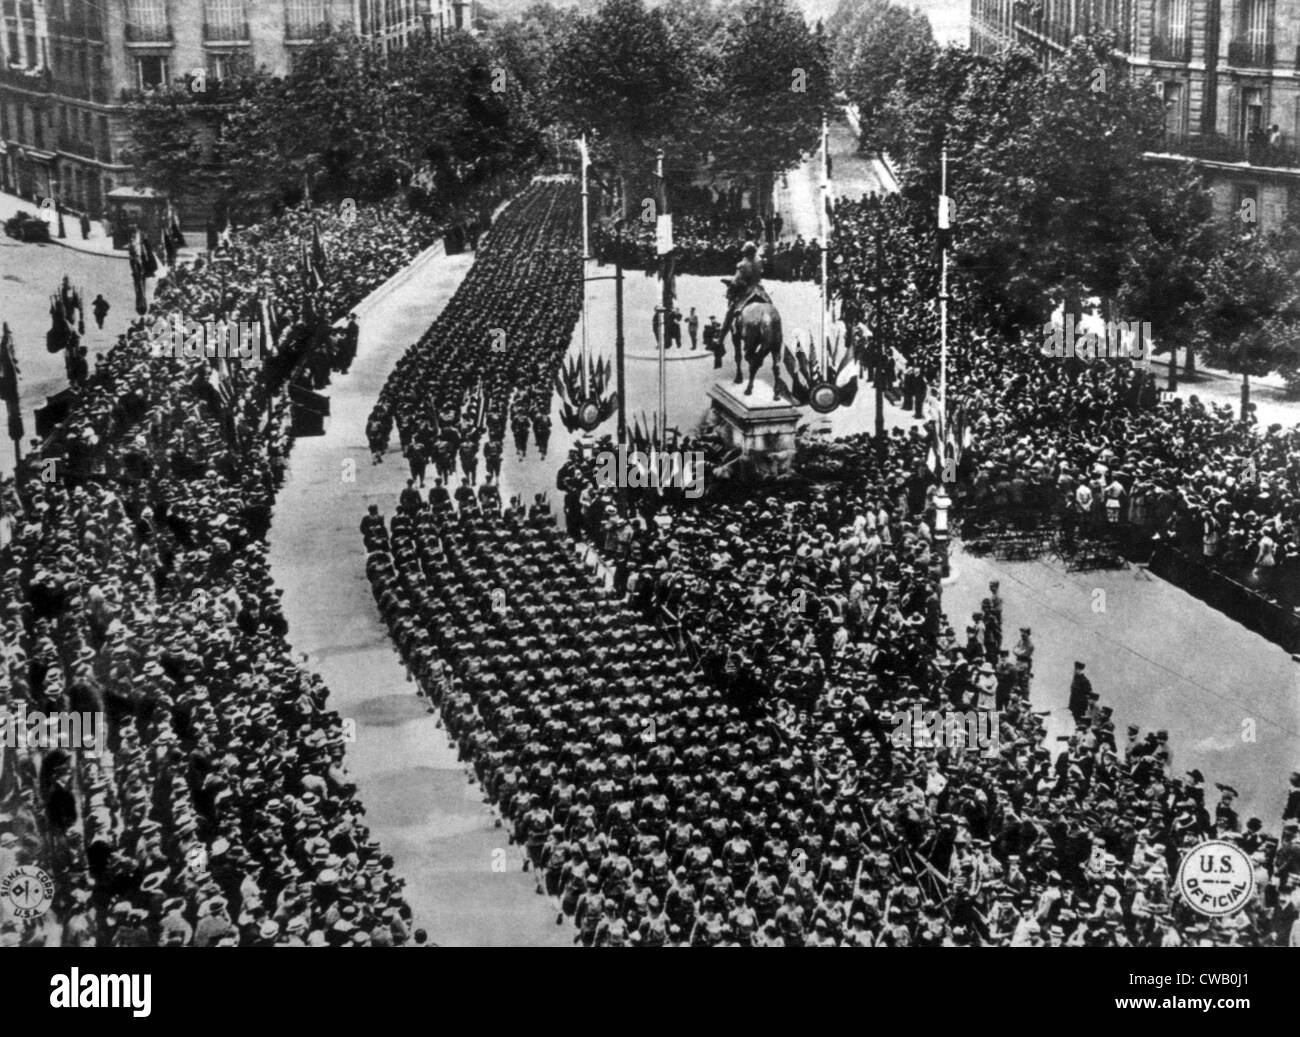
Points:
(746, 283)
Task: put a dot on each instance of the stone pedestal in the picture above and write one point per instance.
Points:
(761, 425)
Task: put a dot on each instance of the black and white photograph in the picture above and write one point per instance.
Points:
(651, 473)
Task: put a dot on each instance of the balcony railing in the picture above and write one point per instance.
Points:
(1250, 55)
(38, 80)
(1218, 148)
(83, 148)
(304, 31)
(1165, 49)
(96, 91)
(137, 33)
(225, 32)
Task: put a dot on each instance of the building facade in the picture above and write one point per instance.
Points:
(69, 67)
(1228, 70)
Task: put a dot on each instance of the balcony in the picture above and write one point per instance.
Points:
(150, 33)
(82, 148)
(225, 32)
(303, 32)
(1219, 148)
(1165, 49)
(37, 80)
(1250, 55)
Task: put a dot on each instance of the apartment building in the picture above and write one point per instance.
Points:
(1228, 70)
(69, 67)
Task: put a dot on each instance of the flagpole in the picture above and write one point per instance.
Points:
(826, 188)
(942, 501)
(943, 299)
(663, 218)
(586, 256)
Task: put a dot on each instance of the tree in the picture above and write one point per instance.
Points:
(624, 76)
(1250, 316)
(1161, 276)
(872, 43)
(775, 90)
(175, 130)
(1046, 170)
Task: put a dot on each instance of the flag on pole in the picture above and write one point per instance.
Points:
(318, 254)
(9, 384)
(311, 278)
(664, 234)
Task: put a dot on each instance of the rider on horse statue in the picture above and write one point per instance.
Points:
(745, 287)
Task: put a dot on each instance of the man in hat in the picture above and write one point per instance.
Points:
(1080, 694)
(1292, 810)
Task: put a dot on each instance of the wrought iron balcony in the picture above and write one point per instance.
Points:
(1165, 49)
(150, 33)
(1250, 55)
(225, 32)
(85, 149)
(1218, 148)
(38, 80)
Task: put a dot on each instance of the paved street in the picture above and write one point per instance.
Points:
(29, 274)
(421, 806)
(853, 175)
(1160, 658)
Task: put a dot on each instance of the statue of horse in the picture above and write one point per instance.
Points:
(757, 332)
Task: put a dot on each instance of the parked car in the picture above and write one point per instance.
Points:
(26, 227)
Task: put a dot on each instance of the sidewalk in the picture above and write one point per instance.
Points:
(100, 243)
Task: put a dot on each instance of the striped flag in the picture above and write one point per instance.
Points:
(9, 384)
(318, 254)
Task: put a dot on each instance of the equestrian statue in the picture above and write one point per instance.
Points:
(757, 331)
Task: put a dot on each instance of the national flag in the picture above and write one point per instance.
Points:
(9, 384)
(318, 254)
(944, 234)
(311, 279)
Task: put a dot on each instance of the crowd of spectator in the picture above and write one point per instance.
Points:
(707, 246)
(1089, 442)
(136, 587)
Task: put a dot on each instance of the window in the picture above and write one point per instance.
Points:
(151, 70)
(1247, 200)
(147, 21)
(304, 18)
(1174, 108)
(1252, 114)
(224, 20)
(1171, 40)
(219, 66)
